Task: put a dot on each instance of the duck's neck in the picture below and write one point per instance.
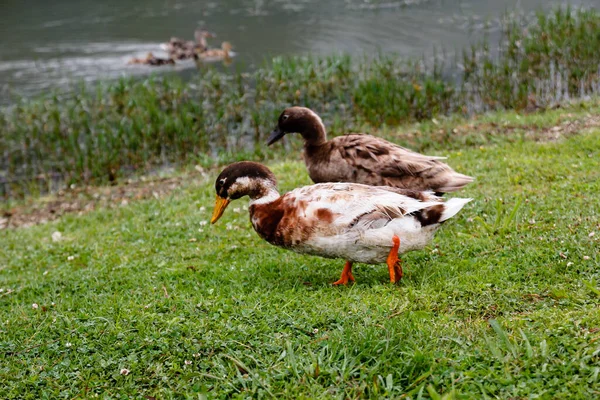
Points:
(266, 194)
(315, 134)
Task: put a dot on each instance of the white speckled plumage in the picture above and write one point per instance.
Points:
(335, 220)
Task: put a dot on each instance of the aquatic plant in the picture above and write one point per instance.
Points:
(98, 133)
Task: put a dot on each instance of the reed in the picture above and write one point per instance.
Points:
(98, 133)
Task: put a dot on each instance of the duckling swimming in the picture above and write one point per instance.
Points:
(152, 60)
(180, 49)
(224, 53)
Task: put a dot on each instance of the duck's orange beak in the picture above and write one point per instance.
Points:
(220, 206)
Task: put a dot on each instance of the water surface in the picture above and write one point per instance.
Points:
(50, 44)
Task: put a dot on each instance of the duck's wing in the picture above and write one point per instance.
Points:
(385, 163)
(339, 207)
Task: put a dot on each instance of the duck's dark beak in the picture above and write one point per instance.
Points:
(275, 136)
(220, 205)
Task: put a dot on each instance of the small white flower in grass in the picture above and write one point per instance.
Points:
(569, 264)
(586, 257)
(188, 362)
(1, 290)
(45, 272)
(200, 230)
(202, 208)
(70, 258)
(56, 236)
(315, 331)
(202, 223)
(124, 371)
(591, 234)
(53, 304)
(34, 306)
(237, 210)
(68, 344)
(196, 355)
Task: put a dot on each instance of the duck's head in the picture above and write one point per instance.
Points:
(244, 178)
(300, 120)
(200, 34)
(226, 46)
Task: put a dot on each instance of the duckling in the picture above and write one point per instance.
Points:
(181, 49)
(355, 222)
(152, 60)
(364, 159)
(224, 53)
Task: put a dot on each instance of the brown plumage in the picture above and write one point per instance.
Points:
(364, 159)
(224, 53)
(152, 60)
(180, 49)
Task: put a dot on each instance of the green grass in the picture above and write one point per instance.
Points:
(504, 303)
(97, 134)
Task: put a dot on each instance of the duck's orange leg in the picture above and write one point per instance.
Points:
(346, 275)
(393, 262)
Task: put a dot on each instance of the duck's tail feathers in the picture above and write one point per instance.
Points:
(453, 182)
(452, 207)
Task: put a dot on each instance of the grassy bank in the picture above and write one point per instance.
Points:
(98, 134)
(148, 301)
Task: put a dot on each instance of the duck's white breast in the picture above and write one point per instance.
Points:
(373, 245)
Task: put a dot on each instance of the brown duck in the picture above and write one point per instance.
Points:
(224, 53)
(152, 60)
(364, 159)
(180, 49)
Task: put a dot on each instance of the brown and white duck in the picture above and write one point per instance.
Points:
(364, 158)
(355, 222)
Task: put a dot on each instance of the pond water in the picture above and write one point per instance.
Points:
(50, 44)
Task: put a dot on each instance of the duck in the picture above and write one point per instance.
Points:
(152, 60)
(181, 49)
(366, 159)
(200, 35)
(224, 53)
(355, 222)
(176, 48)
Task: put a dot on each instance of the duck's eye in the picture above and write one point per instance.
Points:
(222, 181)
(284, 117)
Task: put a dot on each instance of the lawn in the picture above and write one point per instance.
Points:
(149, 301)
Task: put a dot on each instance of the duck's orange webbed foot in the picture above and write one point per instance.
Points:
(346, 275)
(393, 262)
